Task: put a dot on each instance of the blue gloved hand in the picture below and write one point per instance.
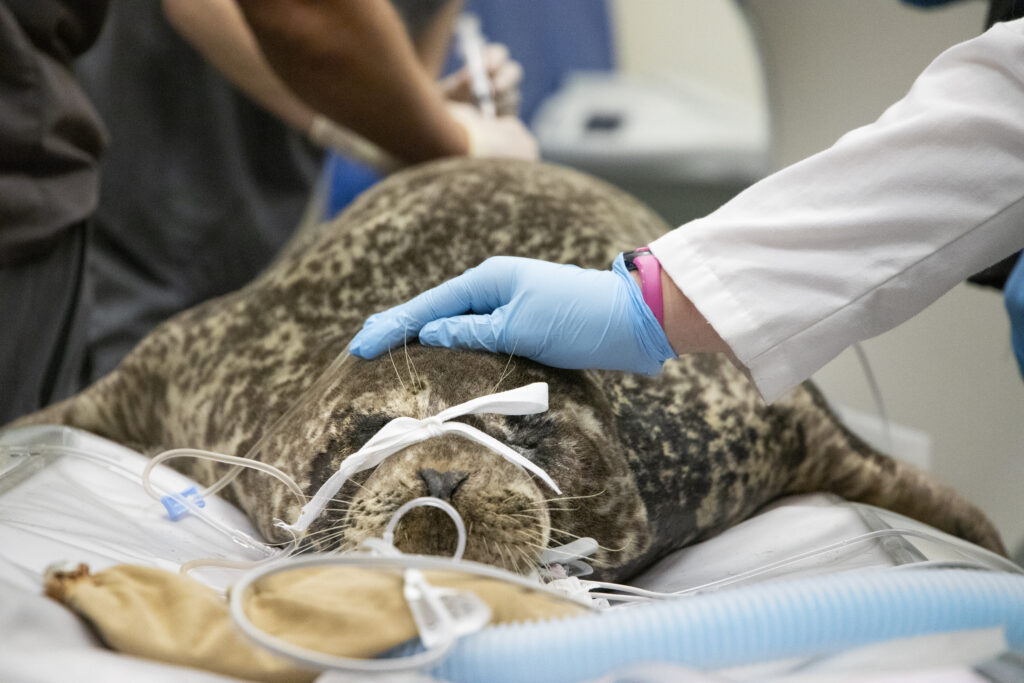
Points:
(1013, 297)
(558, 315)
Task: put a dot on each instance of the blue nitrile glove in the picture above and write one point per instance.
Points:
(558, 315)
(1013, 297)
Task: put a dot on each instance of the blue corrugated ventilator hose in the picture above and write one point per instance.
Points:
(772, 621)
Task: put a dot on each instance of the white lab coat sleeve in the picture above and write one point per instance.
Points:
(853, 241)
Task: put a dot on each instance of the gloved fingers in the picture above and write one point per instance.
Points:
(507, 105)
(481, 332)
(495, 57)
(401, 323)
(502, 71)
(455, 87)
(505, 75)
(516, 140)
(506, 78)
(506, 99)
(504, 137)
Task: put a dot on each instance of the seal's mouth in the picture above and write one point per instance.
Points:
(506, 519)
(510, 540)
(503, 510)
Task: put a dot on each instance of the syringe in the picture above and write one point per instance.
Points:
(471, 47)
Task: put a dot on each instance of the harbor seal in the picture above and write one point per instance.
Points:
(646, 464)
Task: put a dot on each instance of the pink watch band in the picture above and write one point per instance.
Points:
(649, 268)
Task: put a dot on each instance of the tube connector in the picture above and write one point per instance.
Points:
(176, 507)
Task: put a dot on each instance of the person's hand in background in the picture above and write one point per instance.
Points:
(504, 73)
(503, 137)
(559, 315)
(488, 138)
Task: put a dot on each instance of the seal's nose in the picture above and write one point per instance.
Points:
(442, 484)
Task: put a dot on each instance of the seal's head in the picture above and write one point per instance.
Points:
(510, 515)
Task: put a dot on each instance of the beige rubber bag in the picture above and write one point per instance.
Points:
(342, 611)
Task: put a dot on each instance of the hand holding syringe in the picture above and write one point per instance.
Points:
(484, 96)
(489, 78)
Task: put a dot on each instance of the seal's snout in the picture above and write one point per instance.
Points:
(442, 485)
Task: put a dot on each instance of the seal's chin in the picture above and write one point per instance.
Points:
(512, 541)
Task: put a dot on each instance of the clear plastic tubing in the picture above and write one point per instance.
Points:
(217, 457)
(765, 622)
(114, 465)
(975, 556)
(429, 501)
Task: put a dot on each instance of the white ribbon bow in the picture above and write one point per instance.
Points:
(405, 431)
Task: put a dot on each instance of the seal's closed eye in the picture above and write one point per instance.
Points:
(362, 426)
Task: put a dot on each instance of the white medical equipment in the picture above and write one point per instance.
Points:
(643, 128)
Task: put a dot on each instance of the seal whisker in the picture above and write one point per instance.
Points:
(324, 540)
(515, 554)
(511, 496)
(332, 508)
(397, 373)
(520, 514)
(580, 497)
(530, 558)
(535, 531)
(590, 559)
(334, 530)
(413, 376)
(278, 544)
(505, 372)
(575, 536)
(346, 499)
(500, 547)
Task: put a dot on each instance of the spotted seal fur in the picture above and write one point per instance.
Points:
(646, 464)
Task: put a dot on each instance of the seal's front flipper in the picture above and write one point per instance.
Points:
(102, 408)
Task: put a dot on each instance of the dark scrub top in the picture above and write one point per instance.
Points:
(50, 136)
(50, 143)
(201, 187)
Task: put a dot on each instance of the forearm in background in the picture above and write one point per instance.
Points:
(219, 32)
(352, 61)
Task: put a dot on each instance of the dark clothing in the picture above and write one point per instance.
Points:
(50, 143)
(45, 308)
(50, 136)
(63, 29)
(200, 186)
(1004, 10)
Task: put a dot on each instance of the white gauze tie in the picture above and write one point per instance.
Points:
(405, 431)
